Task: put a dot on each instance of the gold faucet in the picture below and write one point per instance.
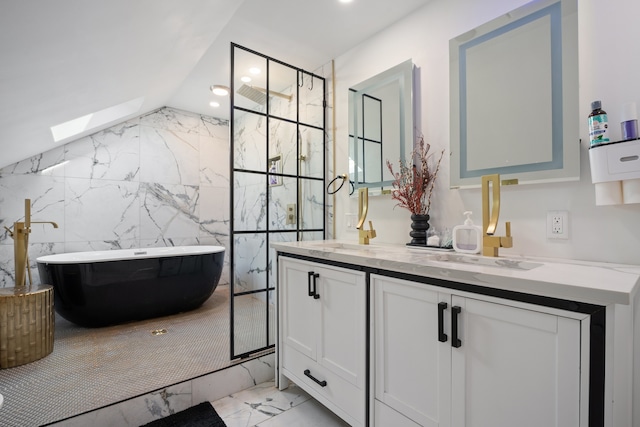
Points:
(20, 236)
(490, 213)
(363, 208)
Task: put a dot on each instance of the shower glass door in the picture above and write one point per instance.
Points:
(277, 183)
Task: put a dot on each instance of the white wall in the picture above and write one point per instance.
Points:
(609, 70)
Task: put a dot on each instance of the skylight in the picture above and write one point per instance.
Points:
(95, 120)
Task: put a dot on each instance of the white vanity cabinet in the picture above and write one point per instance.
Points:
(447, 358)
(408, 337)
(322, 334)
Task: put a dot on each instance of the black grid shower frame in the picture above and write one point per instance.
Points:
(298, 231)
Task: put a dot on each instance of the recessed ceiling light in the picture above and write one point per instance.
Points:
(220, 90)
(345, 1)
(245, 79)
(214, 104)
(254, 70)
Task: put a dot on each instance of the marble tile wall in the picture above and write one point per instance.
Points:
(161, 179)
(144, 409)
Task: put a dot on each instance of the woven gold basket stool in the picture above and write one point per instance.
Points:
(27, 322)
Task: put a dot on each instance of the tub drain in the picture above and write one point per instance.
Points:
(159, 332)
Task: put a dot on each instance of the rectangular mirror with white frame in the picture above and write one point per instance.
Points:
(380, 126)
(514, 97)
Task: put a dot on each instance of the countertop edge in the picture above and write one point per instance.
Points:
(533, 281)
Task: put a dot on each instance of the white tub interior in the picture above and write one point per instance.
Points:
(127, 254)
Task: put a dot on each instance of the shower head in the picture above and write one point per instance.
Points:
(252, 94)
(259, 95)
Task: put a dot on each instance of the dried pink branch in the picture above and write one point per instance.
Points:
(413, 186)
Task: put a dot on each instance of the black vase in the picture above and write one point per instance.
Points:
(419, 227)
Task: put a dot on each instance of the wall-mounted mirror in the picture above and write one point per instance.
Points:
(514, 97)
(380, 126)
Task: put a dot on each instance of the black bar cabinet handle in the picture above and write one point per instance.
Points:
(315, 286)
(455, 341)
(309, 283)
(317, 381)
(442, 337)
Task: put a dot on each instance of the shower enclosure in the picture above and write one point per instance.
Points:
(278, 168)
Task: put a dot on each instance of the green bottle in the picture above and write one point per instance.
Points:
(598, 125)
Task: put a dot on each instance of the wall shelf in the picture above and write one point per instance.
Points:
(615, 171)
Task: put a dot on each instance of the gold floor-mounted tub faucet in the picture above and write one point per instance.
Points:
(28, 332)
(363, 208)
(490, 214)
(20, 236)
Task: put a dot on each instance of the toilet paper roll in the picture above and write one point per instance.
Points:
(608, 193)
(629, 130)
(631, 191)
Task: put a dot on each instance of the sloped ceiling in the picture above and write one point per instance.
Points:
(63, 59)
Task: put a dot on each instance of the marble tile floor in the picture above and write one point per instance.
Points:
(265, 406)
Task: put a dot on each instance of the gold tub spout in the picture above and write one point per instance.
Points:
(490, 214)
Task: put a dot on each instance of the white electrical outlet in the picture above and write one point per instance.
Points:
(557, 225)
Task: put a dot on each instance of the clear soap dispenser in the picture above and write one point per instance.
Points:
(467, 238)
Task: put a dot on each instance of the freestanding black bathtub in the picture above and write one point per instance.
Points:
(109, 287)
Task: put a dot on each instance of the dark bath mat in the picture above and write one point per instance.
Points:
(202, 415)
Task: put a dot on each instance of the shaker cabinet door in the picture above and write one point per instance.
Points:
(342, 323)
(411, 357)
(322, 316)
(514, 367)
(299, 311)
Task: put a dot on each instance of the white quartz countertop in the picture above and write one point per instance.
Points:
(587, 282)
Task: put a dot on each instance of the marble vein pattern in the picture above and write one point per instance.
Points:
(169, 400)
(283, 144)
(250, 261)
(280, 197)
(214, 212)
(313, 204)
(47, 163)
(169, 156)
(87, 217)
(161, 179)
(264, 405)
(257, 404)
(311, 148)
(113, 153)
(233, 379)
(169, 210)
(175, 120)
(250, 136)
(249, 200)
(214, 158)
